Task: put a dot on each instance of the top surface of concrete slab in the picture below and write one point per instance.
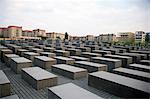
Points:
(44, 58)
(134, 72)
(31, 53)
(90, 63)
(46, 53)
(106, 59)
(63, 58)
(78, 57)
(11, 97)
(118, 56)
(88, 53)
(3, 47)
(61, 51)
(38, 73)
(11, 55)
(22, 50)
(126, 81)
(69, 68)
(21, 60)
(3, 78)
(77, 92)
(140, 65)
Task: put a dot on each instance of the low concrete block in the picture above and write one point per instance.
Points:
(91, 66)
(5, 89)
(69, 71)
(20, 52)
(48, 54)
(11, 97)
(38, 78)
(8, 58)
(62, 53)
(139, 67)
(78, 58)
(144, 76)
(125, 59)
(44, 62)
(64, 60)
(111, 63)
(30, 55)
(18, 63)
(145, 62)
(78, 92)
(118, 85)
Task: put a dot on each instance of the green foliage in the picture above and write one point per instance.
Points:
(66, 35)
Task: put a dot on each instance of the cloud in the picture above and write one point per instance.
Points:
(77, 17)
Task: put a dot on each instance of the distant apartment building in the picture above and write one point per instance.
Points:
(125, 37)
(11, 32)
(39, 33)
(3, 31)
(106, 38)
(140, 36)
(54, 35)
(27, 33)
(90, 37)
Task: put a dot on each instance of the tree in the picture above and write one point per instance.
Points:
(66, 35)
(147, 39)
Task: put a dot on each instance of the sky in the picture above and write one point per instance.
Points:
(77, 17)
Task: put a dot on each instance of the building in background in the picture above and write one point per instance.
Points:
(39, 33)
(140, 37)
(27, 33)
(54, 35)
(3, 30)
(90, 37)
(106, 38)
(125, 37)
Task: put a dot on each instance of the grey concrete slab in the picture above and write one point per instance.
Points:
(122, 86)
(29, 47)
(74, 51)
(145, 62)
(62, 53)
(44, 62)
(38, 78)
(8, 58)
(139, 67)
(136, 57)
(102, 52)
(112, 50)
(36, 50)
(64, 60)
(144, 76)
(141, 52)
(5, 51)
(91, 66)
(111, 63)
(69, 71)
(84, 49)
(4, 85)
(48, 54)
(61, 92)
(20, 52)
(30, 55)
(48, 49)
(126, 60)
(78, 58)
(18, 63)
(89, 55)
(11, 97)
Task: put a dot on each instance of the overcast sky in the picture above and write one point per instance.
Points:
(77, 17)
